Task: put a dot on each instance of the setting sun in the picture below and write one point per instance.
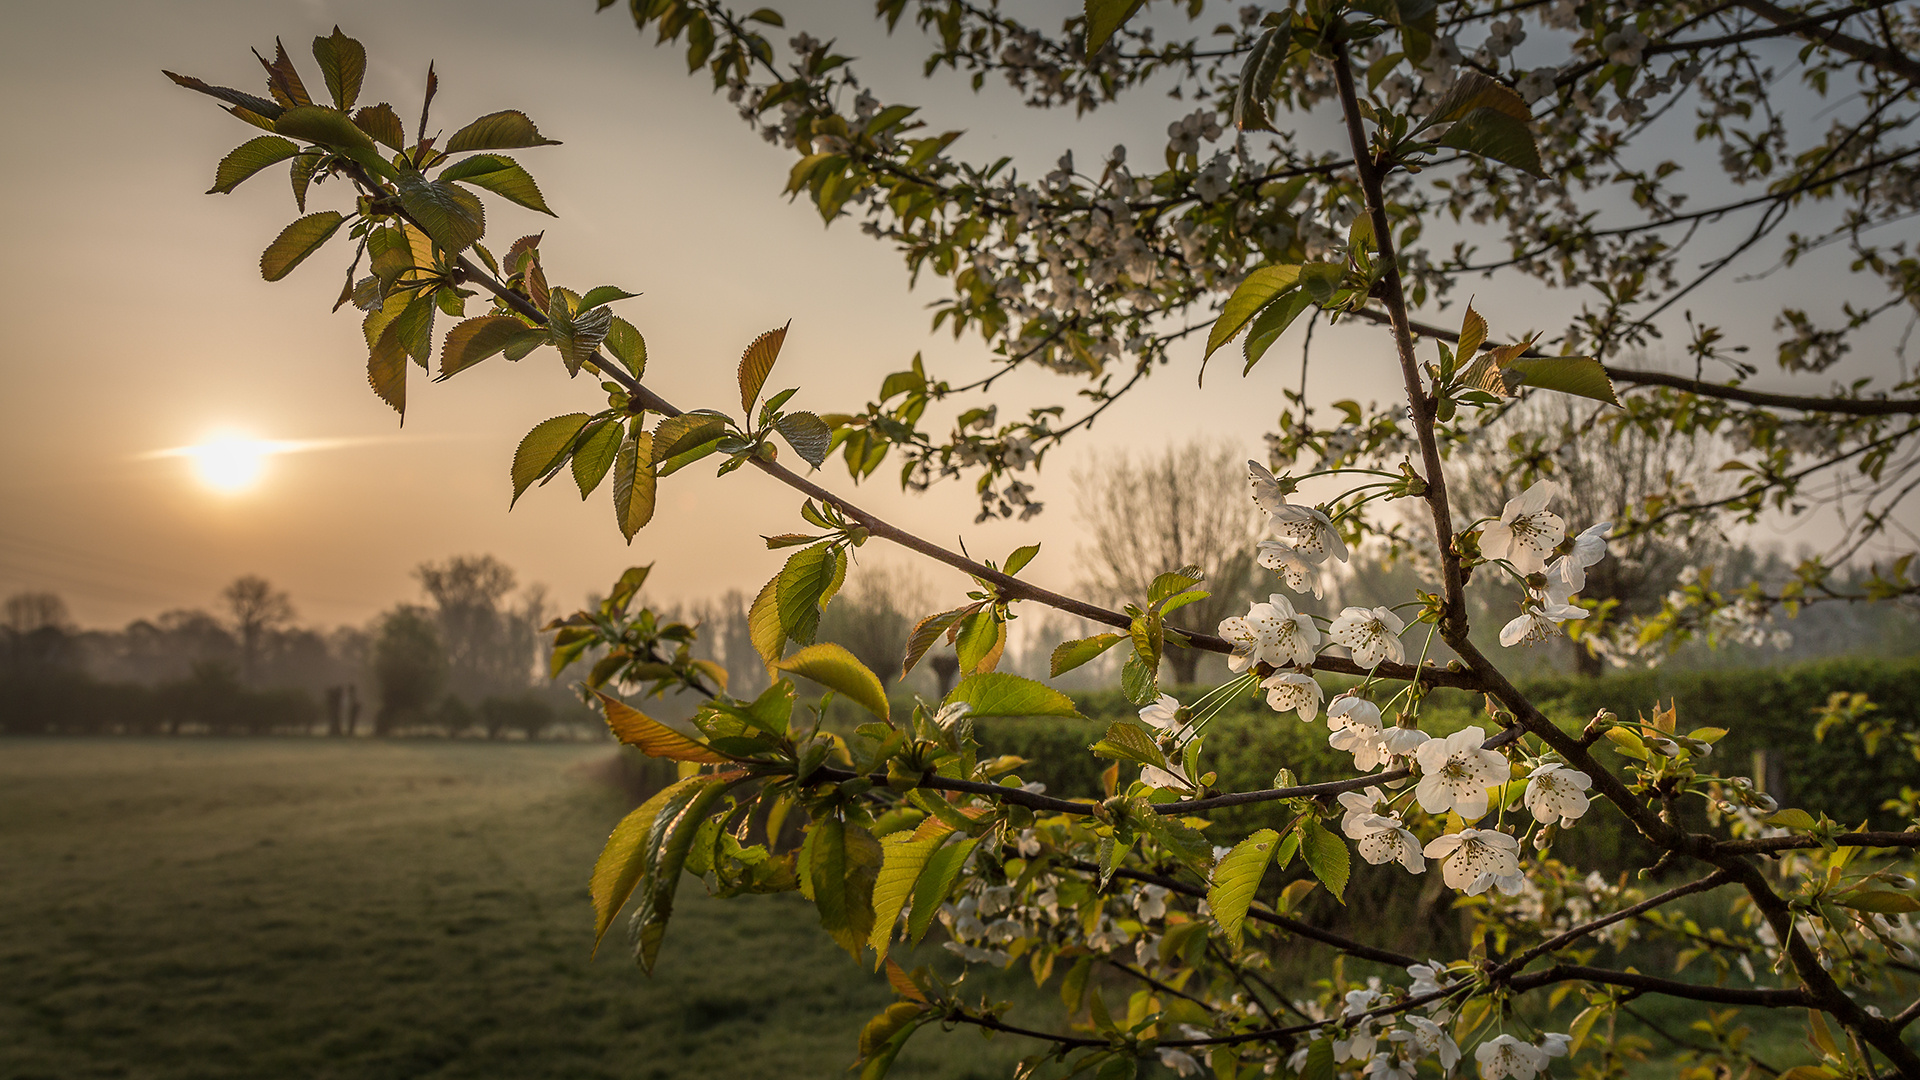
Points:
(230, 465)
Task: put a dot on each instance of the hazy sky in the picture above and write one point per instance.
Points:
(138, 320)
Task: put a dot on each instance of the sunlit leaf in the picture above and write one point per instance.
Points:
(1072, 654)
(596, 455)
(650, 736)
(1235, 879)
(633, 484)
(543, 448)
(1105, 18)
(997, 693)
(809, 436)
(1255, 291)
(756, 363)
(1326, 855)
(501, 175)
(474, 340)
(297, 241)
(833, 667)
(452, 216)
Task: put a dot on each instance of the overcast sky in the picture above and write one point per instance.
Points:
(138, 321)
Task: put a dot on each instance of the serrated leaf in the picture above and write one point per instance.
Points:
(927, 631)
(577, 334)
(996, 693)
(297, 241)
(935, 882)
(1273, 320)
(1235, 880)
(334, 130)
(1327, 856)
(596, 456)
(249, 158)
(1473, 90)
(1105, 18)
(1129, 742)
(677, 437)
(833, 667)
(1264, 64)
(382, 124)
(387, 365)
(667, 842)
(1258, 289)
(651, 737)
(501, 175)
(542, 449)
(260, 106)
(763, 622)
(809, 436)
(452, 216)
(508, 130)
(756, 363)
(979, 640)
(622, 860)
(343, 64)
(804, 583)
(1140, 683)
(903, 859)
(1582, 376)
(627, 346)
(413, 329)
(1494, 134)
(475, 340)
(1319, 1063)
(1174, 582)
(633, 484)
(1473, 331)
(845, 861)
(1071, 654)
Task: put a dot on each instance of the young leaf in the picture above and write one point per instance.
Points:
(979, 640)
(1021, 556)
(1495, 134)
(1273, 321)
(382, 124)
(997, 693)
(387, 365)
(343, 64)
(1264, 64)
(1235, 879)
(452, 216)
(845, 862)
(1130, 742)
(904, 857)
(249, 158)
(809, 436)
(595, 455)
(501, 175)
(763, 622)
(927, 631)
(269, 110)
(507, 130)
(676, 437)
(633, 484)
(1105, 18)
(804, 584)
(1255, 291)
(1473, 90)
(542, 449)
(1473, 331)
(667, 843)
(1071, 654)
(626, 345)
(1582, 376)
(936, 881)
(297, 241)
(756, 363)
(475, 340)
(651, 737)
(833, 667)
(1326, 856)
(622, 861)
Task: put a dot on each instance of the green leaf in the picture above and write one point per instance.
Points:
(238, 98)
(1174, 582)
(763, 621)
(1319, 1063)
(936, 881)
(475, 340)
(1473, 90)
(1273, 321)
(577, 334)
(596, 454)
(1235, 879)
(501, 175)
(1881, 902)
(927, 631)
(1494, 134)
(627, 346)
(507, 130)
(1326, 855)
(997, 693)
(1792, 819)
(249, 158)
(343, 64)
(684, 439)
(381, 123)
(979, 641)
(452, 216)
(809, 436)
(904, 857)
(667, 842)
(1130, 742)
(336, 131)
(833, 667)
(543, 449)
(414, 327)
(1018, 560)
(623, 860)
(1185, 842)
(1264, 63)
(755, 365)
(1071, 654)
(1105, 18)
(387, 358)
(1258, 289)
(633, 484)
(804, 583)
(296, 242)
(845, 861)
(1582, 376)
(651, 737)
(1140, 683)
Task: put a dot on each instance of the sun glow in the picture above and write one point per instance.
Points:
(230, 465)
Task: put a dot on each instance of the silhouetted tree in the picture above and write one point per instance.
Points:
(257, 610)
(409, 666)
(490, 645)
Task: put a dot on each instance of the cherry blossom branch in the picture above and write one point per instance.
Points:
(1765, 844)
(1723, 995)
(1555, 944)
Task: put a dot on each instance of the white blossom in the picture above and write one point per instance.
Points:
(1556, 793)
(1384, 839)
(1270, 633)
(1527, 531)
(1426, 978)
(1431, 1038)
(1304, 528)
(1371, 635)
(1569, 571)
(1179, 1061)
(1360, 804)
(1291, 690)
(1404, 741)
(1163, 714)
(1355, 724)
(1455, 774)
(1472, 859)
(1300, 573)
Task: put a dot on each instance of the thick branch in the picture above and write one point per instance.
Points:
(1650, 984)
(1888, 60)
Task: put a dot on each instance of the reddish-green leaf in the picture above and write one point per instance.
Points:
(756, 363)
(507, 130)
(297, 241)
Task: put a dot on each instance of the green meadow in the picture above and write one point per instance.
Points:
(361, 909)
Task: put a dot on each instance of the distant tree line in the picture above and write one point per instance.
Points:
(465, 660)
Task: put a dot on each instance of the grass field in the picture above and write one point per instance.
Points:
(307, 908)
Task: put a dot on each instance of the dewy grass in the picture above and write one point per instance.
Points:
(264, 907)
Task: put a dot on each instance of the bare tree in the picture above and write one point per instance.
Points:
(1184, 506)
(257, 610)
(31, 611)
(490, 644)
